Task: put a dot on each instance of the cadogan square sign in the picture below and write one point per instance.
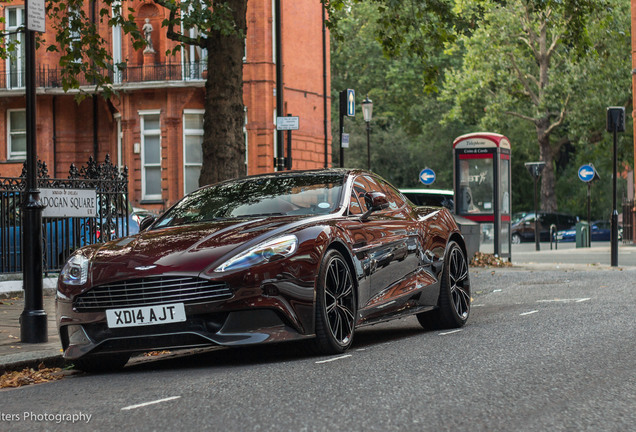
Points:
(69, 202)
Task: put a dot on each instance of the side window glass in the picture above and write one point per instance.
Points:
(360, 188)
(354, 204)
(393, 196)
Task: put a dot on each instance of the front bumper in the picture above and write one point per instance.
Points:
(273, 311)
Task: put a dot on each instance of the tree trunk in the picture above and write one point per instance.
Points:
(548, 180)
(223, 138)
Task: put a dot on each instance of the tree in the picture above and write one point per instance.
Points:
(405, 132)
(509, 70)
(220, 27)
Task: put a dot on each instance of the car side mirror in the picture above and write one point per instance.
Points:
(375, 201)
(146, 222)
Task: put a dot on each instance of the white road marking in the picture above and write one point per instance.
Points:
(149, 403)
(497, 290)
(450, 332)
(528, 313)
(334, 359)
(575, 300)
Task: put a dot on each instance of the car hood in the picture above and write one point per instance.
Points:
(188, 249)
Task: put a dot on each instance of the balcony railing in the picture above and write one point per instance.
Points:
(49, 77)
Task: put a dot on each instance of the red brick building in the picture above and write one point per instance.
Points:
(154, 125)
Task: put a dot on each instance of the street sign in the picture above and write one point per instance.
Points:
(351, 102)
(345, 140)
(69, 202)
(587, 173)
(427, 176)
(535, 168)
(287, 123)
(36, 18)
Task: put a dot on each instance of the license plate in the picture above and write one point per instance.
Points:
(145, 315)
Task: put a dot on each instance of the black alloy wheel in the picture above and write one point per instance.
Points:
(336, 305)
(454, 297)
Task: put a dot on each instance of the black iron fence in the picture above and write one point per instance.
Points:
(62, 235)
(629, 214)
(50, 77)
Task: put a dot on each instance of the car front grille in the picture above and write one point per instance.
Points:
(151, 291)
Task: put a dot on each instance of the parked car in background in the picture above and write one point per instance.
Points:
(62, 235)
(431, 197)
(523, 230)
(601, 230)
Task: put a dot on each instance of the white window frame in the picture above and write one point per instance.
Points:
(117, 53)
(12, 155)
(144, 133)
(188, 72)
(190, 132)
(18, 55)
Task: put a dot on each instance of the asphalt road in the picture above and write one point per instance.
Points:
(543, 350)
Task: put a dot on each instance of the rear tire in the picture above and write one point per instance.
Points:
(102, 363)
(336, 306)
(454, 297)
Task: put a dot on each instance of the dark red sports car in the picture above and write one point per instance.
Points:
(277, 257)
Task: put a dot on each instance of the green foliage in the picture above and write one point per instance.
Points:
(405, 132)
(478, 87)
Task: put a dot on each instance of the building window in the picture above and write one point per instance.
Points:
(16, 131)
(194, 58)
(150, 155)
(15, 61)
(192, 152)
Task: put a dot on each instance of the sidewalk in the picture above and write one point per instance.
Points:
(16, 355)
(13, 353)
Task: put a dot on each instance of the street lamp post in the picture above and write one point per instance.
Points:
(367, 113)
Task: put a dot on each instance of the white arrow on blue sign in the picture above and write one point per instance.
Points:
(586, 173)
(427, 176)
(351, 103)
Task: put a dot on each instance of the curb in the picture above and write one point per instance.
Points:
(17, 362)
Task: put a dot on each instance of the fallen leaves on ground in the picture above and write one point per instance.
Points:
(30, 376)
(155, 353)
(488, 260)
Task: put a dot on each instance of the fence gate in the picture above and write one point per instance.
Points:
(62, 235)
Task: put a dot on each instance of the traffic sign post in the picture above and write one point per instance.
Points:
(348, 109)
(33, 320)
(535, 169)
(615, 124)
(288, 123)
(427, 176)
(587, 173)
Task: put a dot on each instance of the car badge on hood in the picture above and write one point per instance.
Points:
(145, 267)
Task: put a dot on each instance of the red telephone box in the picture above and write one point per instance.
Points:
(482, 186)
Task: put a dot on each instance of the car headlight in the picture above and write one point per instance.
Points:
(75, 271)
(277, 248)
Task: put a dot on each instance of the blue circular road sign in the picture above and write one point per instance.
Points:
(427, 176)
(586, 173)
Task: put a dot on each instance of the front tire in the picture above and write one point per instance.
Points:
(516, 239)
(336, 305)
(454, 297)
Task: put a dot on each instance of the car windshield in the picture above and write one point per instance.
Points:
(271, 195)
